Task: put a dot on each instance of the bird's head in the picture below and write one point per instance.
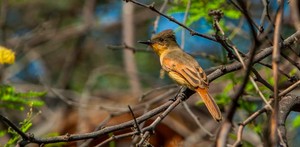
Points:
(162, 41)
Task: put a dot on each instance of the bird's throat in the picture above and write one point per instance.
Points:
(159, 49)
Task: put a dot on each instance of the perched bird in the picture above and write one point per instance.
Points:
(183, 68)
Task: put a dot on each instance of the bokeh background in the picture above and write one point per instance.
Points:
(74, 51)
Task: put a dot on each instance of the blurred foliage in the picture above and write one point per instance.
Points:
(116, 82)
(112, 143)
(200, 9)
(223, 98)
(11, 99)
(24, 127)
(296, 122)
(247, 107)
(31, 17)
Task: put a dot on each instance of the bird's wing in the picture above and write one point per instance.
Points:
(185, 66)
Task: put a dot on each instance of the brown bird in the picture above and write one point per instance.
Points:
(183, 68)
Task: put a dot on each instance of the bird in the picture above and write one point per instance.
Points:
(183, 68)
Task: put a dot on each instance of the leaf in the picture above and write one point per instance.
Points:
(199, 9)
(2, 133)
(15, 100)
(296, 122)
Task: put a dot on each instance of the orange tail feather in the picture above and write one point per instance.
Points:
(210, 103)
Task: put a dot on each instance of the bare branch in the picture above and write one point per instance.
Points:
(186, 13)
(282, 116)
(249, 119)
(152, 8)
(155, 23)
(113, 137)
(14, 127)
(135, 122)
(286, 105)
(258, 57)
(275, 62)
(196, 119)
(125, 46)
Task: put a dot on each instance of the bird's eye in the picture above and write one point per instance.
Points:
(161, 39)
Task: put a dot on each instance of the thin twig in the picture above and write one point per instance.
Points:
(263, 18)
(242, 62)
(261, 80)
(180, 98)
(156, 89)
(143, 140)
(293, 39)
(115, 111)
(251, 78)
(186, 13)
(259, 112)
(222, 135)
(151, 7)
(275, 63)
(242, 8)
(14, 127)
(249, 119)
(297, 65)
(155, 23)
(219, 33)
(113, 137)
(289, 89)
(135, 122)
(121, 111)
(136, 138)
(196, 119)
(125, 46)
(279, 70)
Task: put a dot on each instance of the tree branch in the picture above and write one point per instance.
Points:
(152, 8)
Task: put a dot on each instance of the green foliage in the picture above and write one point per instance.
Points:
(57, 144)
(112, 143)
(293, 71)
(2, 133)
(249, 107)
(111, 81)
(258, 128)
(296, 122)
(200, 9)
(11, 99)
(24, 127)
(223, 98)
(270, 77)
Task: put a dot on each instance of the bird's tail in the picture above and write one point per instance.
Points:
(210, 103)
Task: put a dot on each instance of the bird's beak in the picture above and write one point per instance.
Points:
(148, 42)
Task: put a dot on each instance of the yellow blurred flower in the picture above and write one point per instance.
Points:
(7, 56)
